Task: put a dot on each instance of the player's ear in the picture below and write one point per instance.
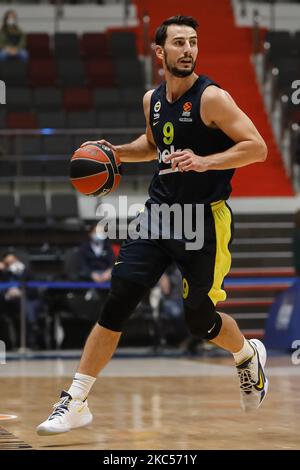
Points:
(159, 52)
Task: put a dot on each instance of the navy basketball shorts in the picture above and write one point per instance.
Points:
(203, 271)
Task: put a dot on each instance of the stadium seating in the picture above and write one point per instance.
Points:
(46, 99)
(18, 99)
(38, 45)
(282, 66)
(56, 168)
(81, 119)
(71, 86)
(94, 45)
(63, 206)
(66, 46)
(42, 72)
(77, 99)
(70, 72)
(21, 120)
(13, 73)
(7, 208)
(32, 208)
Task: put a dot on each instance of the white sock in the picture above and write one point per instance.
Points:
(245, 353)
(81, 386)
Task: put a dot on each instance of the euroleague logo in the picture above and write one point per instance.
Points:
(92, 152)
(186, 112)
(187, 107)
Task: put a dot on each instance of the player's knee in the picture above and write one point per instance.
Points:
(203, 320)
(123, 297)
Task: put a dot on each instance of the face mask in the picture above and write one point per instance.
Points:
(11, 21)
(98, 238)
(16, 268)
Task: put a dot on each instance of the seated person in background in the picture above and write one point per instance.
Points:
(12, 269)
(172, 309)
(172, 303)
(171, 289)
(12, 38)
(96, 257)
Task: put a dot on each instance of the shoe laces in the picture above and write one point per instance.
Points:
(60, 407)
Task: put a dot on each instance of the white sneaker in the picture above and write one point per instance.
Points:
(253, 382)
(67, 414)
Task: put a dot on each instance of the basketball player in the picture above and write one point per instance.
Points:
(200, 136)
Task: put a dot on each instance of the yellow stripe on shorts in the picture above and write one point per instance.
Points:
(222, 219)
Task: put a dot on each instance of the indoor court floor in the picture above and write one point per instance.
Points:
(153, 403)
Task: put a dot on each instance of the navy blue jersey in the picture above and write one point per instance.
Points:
(178, 126)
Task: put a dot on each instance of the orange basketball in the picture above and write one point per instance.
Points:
(95, 170)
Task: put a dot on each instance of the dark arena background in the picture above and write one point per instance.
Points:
(79, 74)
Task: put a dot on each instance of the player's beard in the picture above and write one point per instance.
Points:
(180, 73)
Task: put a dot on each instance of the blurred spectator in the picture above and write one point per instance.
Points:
(96, 257)
(12, 269)
(172, 313)
(171, 309)
(171, 288)
(79, 308)
(12, 38)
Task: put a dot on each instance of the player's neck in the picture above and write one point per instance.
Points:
(176, 87)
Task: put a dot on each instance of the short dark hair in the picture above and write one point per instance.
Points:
(5, 17)
(161, 32)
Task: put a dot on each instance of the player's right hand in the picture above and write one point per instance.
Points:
(102, 141)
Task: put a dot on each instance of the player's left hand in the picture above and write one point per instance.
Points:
(186, 160)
